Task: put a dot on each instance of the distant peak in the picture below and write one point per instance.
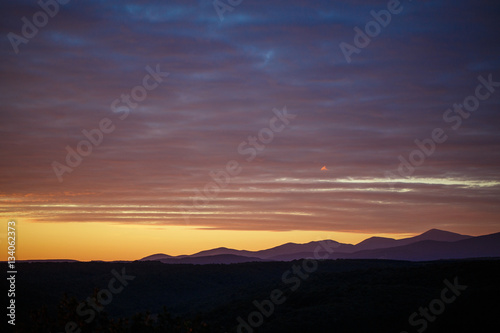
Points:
(440, 235)
(437, 231)
(374, 239)
(326, 241)
(156, 256)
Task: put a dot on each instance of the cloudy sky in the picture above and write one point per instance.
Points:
(260, 96)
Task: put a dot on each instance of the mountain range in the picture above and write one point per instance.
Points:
(433, 244)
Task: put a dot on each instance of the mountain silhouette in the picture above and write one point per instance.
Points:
(433, 244)
(158, 256)
(211, 259)
(433, 234)
(474, 247)
(223, 250)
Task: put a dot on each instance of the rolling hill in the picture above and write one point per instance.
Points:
(433, 244)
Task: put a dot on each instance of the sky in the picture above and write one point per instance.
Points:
(138, 127)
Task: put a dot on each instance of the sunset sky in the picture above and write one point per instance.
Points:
(329, 169)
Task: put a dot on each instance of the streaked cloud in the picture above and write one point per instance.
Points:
(354, 120)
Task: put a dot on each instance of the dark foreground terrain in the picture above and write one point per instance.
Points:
(299, 296)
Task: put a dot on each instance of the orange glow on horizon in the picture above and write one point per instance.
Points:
(106, 241)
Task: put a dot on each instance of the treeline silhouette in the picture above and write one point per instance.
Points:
(339, 296)
(42, 321)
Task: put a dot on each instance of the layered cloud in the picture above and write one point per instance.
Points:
(225, 80)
